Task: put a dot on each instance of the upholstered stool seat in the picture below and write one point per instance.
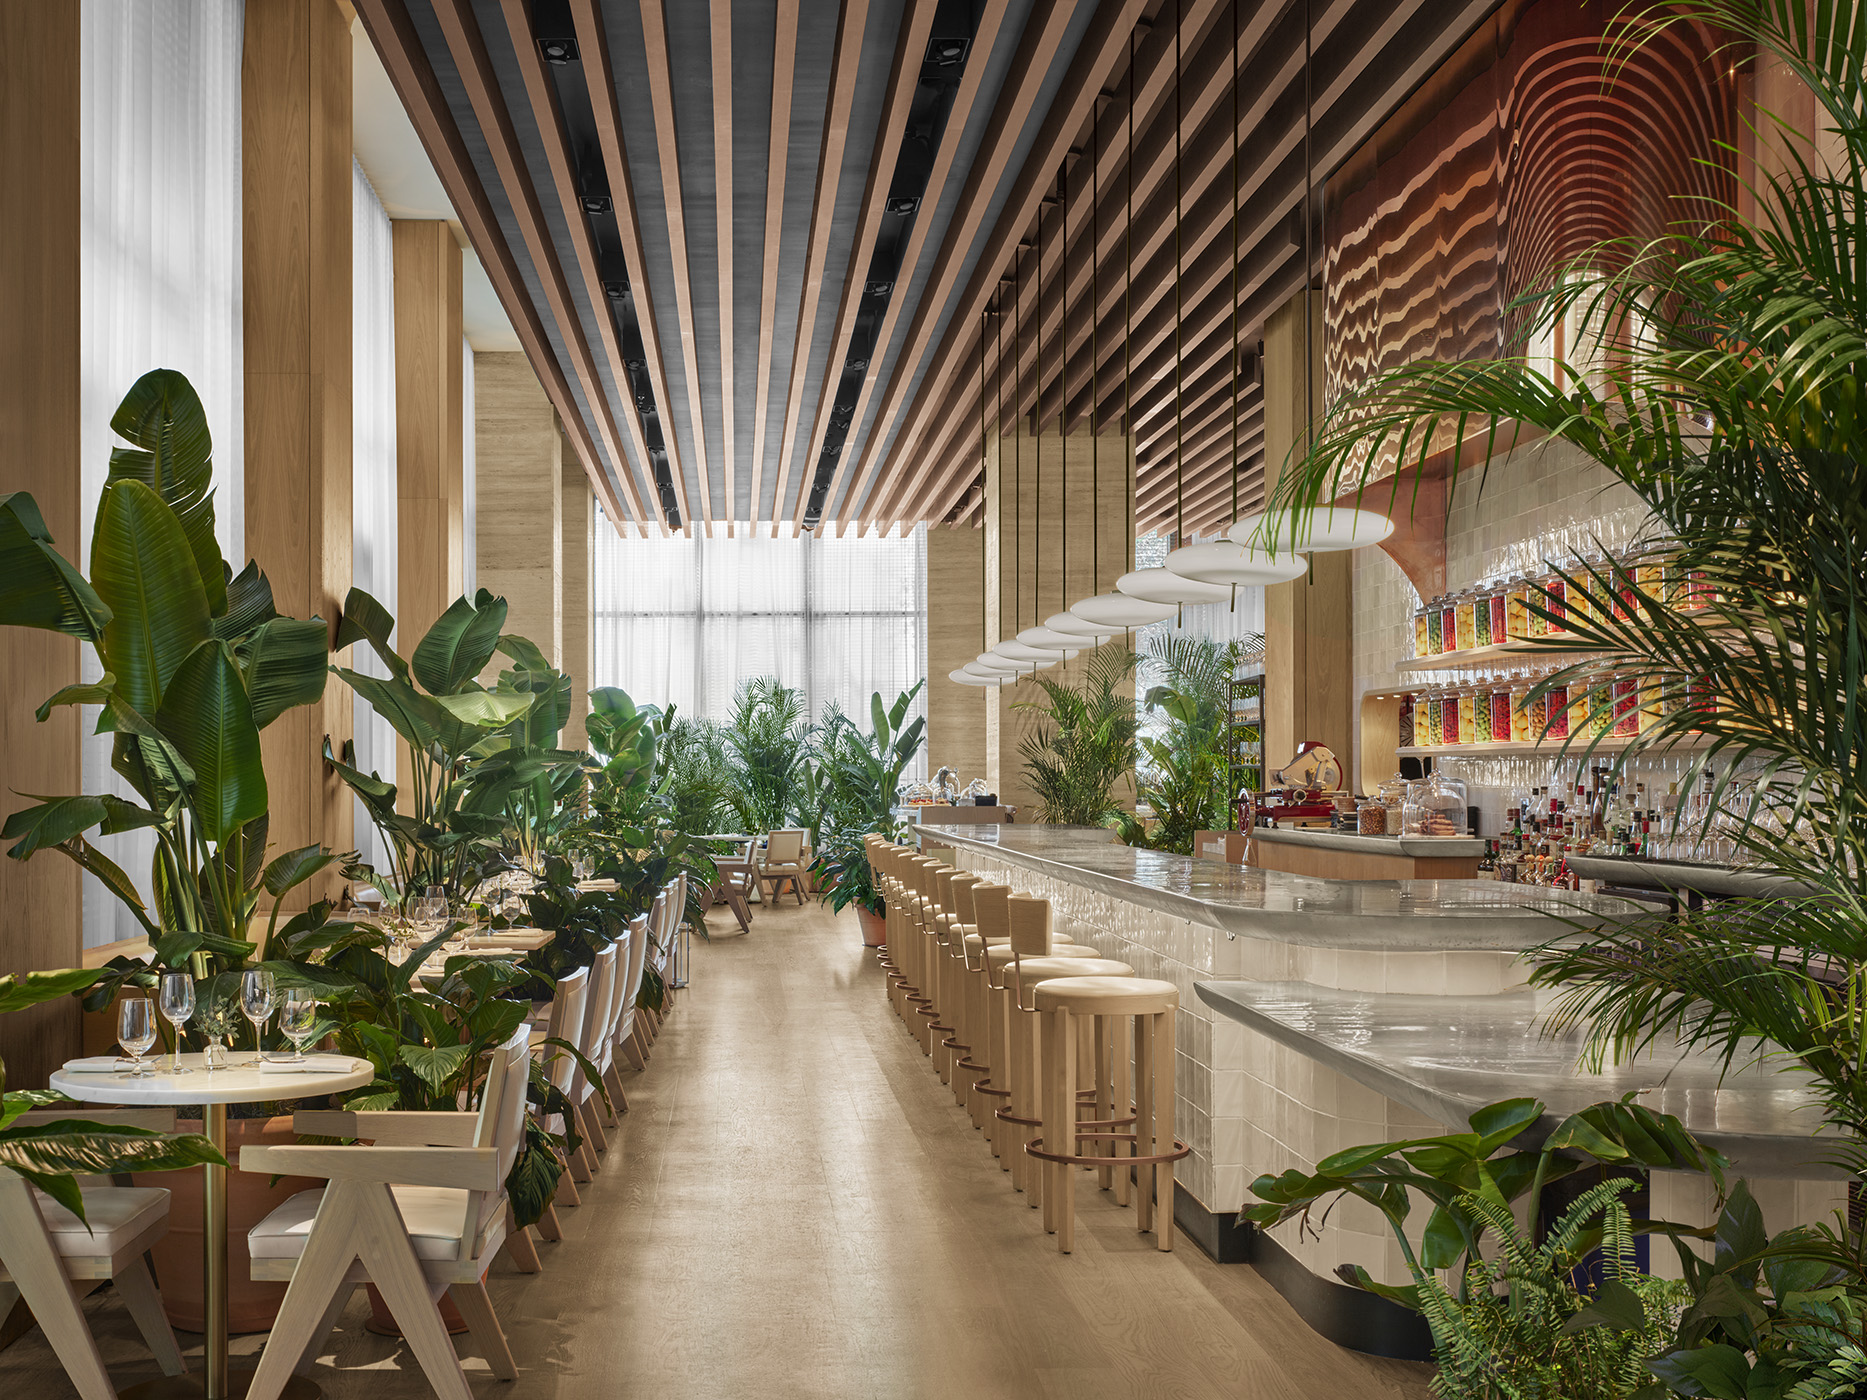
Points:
(1117, 1008)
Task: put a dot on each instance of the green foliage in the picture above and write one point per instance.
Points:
(768, 739)
(195, 663)
(1513, 1325)
(52, 1155)
(860, 778)
(483, 766)
(696, 775)
(1083, 747)
(1185, 776)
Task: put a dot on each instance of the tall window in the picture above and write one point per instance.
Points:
(684, 621)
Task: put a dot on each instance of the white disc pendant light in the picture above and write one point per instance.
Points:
(1123, 610)
(964, 677)
(990, 665)
(1018, 651)
(1070, 625)
(1046, 640)
(1320, 530)
(1232, 565)
(1160, 586)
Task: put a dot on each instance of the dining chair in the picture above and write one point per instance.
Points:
(784, 862)
(566, 1024)
(622, 1013)
(591, 1044)
(420, 1213)
(733, 887)
(634, 1045)
(52, 1259)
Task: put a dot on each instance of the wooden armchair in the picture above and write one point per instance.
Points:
(784, 862)
(49, 1257)
(419, 1214)
(733, 888)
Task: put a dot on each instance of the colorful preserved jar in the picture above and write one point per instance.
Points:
(1468, 716)
(1555, 603)
(1497, 614)
(1500, 713)
(1481, 715)
(1556, 707)
(1516, 609)
(1600, 705)
(1465, 613)
(1449, 731)
(1626, 706)
(1520, 712)
(1650, 702)
(1421, 638)
(1448, 625)
(1435, 721)
(1435, 640)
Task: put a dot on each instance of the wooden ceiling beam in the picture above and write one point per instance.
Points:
(843, 69)
(1208, 449)
(972, 79)
(1097, 56)
(720, 29)
(783, 75)
(661, 98)
(405, 59)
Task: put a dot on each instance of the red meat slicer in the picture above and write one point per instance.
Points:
(1301, 791)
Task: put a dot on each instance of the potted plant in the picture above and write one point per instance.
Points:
(859, 785)
(1083, 747)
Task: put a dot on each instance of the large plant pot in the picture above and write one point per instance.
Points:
(251, 1197)
(382, 1322)
(874, 928)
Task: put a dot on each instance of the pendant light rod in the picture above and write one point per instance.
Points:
(1037, 438)
(1235, 343)
(1095, 375)
(1127, 303)
(1179, 416)
(1309, 223)
(1017, 487)
(1063, 386)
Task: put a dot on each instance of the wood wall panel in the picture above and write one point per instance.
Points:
(518, 499)
(295, 154)
(428, 423)
(577, 603)
(41, 925)
(955, 635)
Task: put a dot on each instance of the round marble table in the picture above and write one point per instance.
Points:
(213, 1090)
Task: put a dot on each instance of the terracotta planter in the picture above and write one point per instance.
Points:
(382, 1322)
(251, 1197)
(874, 928)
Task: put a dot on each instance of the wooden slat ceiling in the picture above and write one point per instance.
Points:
(751, 247)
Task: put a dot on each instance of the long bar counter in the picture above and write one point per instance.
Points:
(1320, 1014)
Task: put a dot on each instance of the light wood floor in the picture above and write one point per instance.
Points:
(795, 1207)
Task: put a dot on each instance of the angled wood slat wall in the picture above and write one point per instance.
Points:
(428, 424)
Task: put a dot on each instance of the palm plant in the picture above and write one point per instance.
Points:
(1184, 778)
(1731, 403)
(1083, 747)
(697, 774)
(767, 737)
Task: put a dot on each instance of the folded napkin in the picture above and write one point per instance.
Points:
(101, 1064)
(313, 1064)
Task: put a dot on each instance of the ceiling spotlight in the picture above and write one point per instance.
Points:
(615, 277)
(947, 53)
(877, 289)
(554, 31)
(903, 204)
(596, 203)
(857, 362)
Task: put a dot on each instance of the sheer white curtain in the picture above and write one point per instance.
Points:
(372, 479)
(685, 621)
(159, 164)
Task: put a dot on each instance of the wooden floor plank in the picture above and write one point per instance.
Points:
(795, 1207)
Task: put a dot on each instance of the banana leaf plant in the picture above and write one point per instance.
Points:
(476, 758)
(53, 1155)
(195, 662)
(860, 776)
(625, 738)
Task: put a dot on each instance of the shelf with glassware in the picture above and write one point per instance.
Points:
(1244, 734)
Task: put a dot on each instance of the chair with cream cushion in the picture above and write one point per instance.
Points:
(629, 1040)
(784, 862)
(51, 1258)
(568, 1009)
(593, 1043)
(420, 1213)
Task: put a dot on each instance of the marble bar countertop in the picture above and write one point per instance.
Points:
(1449, 847)
(1446, 1057)
(1362, 915)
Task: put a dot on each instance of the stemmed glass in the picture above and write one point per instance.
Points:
(136, 1031)
(298, 1016)
(177, 1005)
(258, 998)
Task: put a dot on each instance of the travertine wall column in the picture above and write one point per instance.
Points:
(956, 714)
(41, 901)
(428, 424)
(518, 471)
(295, 165)
(577, 606)
(1029, 480)
(1308, 625)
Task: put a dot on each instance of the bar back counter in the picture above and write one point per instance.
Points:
(1319, 1014)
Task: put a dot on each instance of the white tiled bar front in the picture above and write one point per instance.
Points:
(1337, 1013)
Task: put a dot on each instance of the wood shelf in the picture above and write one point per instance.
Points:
(1548, 748)
(1495, 654)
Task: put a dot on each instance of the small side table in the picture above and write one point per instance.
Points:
(212, 1090)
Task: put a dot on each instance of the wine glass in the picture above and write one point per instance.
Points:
(136, 1031)
(258, 998)
(298, 1017)
(176, 1005)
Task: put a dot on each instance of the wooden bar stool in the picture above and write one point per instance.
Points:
(955, 887)
(1144, 1009)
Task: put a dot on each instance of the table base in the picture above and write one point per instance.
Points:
(193, 1387)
